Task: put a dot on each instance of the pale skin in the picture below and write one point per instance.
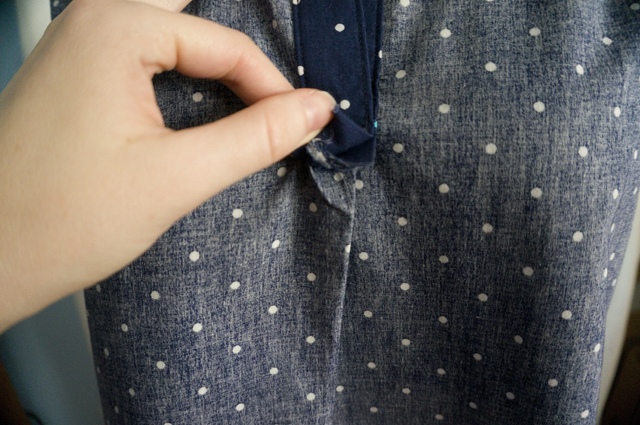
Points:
(90, 177)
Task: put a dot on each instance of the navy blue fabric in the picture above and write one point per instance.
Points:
(337, 43)
(463, 277)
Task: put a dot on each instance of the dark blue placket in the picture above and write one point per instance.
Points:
(338, 44)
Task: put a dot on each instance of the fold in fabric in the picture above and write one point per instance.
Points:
(336, 43)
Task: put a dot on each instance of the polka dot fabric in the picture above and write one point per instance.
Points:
(461, 277)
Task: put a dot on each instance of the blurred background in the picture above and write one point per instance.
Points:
(48, 356)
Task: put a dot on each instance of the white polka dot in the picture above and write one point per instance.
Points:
(483, 297)
(536, 192)
(160, 365)
(300, 70)
(401, 74)
(635, 154)
(363, 256)
(404, 286)
(273, 309)
(613, 226)
(273, 371)
(313, 207)
(371, 365)
(194, 256)
(131, 392)
(380, 54)
(234, 285)
(444, 108)
(490, 148)
(473, 405)
(374, 409)
(98, 288)
(443, 188)
(311, 396)
(311, 339)
(197, 97)
(56, 3)
(275, 244)
(518, 339)
(338, 177)
(584, 414)
(583, 151)
(445, 33)
(406, 391)
(579, 69)
(527, 271)
(155, 295)
(124, 327)
(538, 106)
(614, 282)
(240, 407)
(444, 259)
(404, 3)
(347, 249)
(553, 383)
(487, 228)
(368, 314)
(510, 396)
(577, 236)
(402, 221)
(490, 66)
(339, 27)
(311, 277)
(617, 111)
(197, 327)
(406, 342)
(635, 190)
(359, 184)
(115, 409)
(566, 315)
(635, 6)
(607, 41)
(97, 369)
(397, 148)
(534, 31)
(477, 356)
(339, 388)
(605, 273)
(439, 417)
(344, 104)
(612, 256)
(106, 352)
(236, 349)
(615, 193)
(597, 348)
(442, 319)
(441, 371)
(281, 171)
(202, 391)
(237, 213)
(274, 24)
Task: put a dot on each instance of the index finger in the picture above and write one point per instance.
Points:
(200, 48)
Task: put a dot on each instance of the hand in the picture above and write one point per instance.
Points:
(89, 175)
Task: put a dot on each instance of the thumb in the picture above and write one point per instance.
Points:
(206, 159)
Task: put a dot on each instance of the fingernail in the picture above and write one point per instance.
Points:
(318, 107)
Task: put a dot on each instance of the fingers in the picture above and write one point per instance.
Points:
(170, 5)
(202, 49)
(204, 160)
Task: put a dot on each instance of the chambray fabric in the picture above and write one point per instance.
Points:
(452, 265)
